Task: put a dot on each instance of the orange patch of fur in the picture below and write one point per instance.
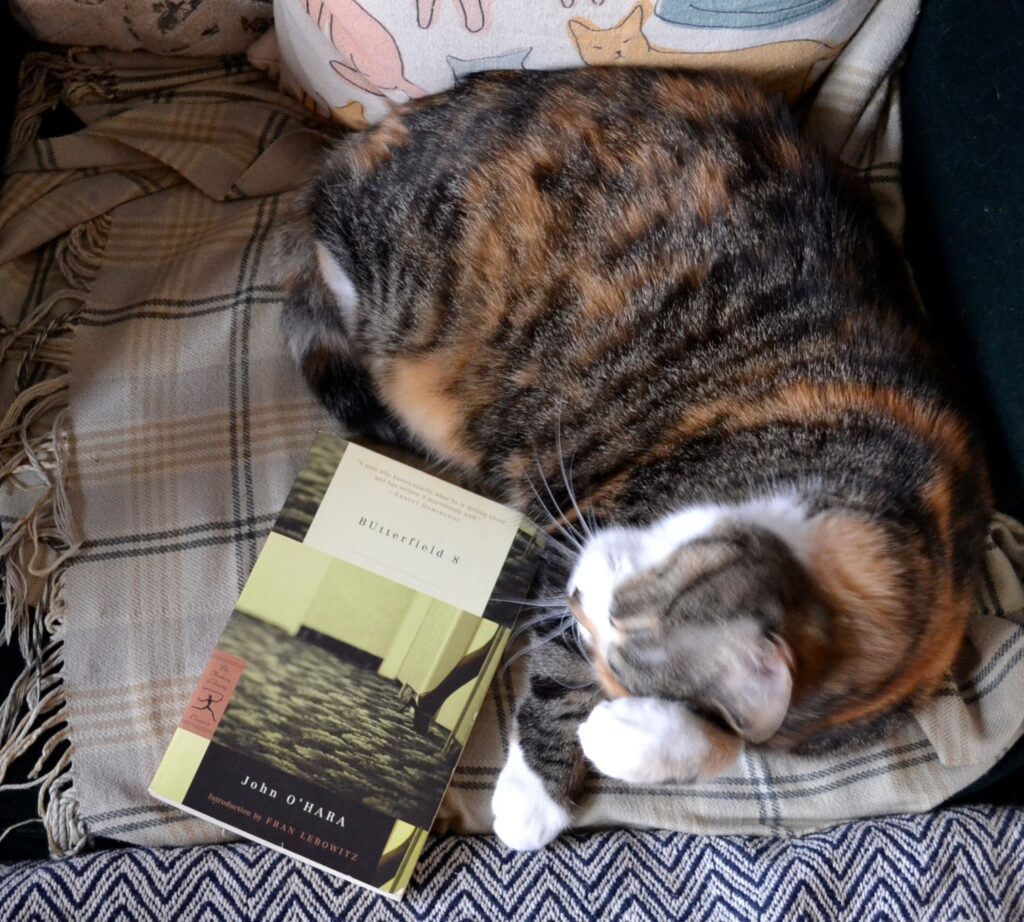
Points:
(611, 686)
(507, 238)
(604, 497)
(856, 569)
(374, 147)
(725, 749)
(807, 402)
(787, 153)
(938, 497)
(417, 389)
(710, 188)
(697, 100)
(601, 296)
(485, 289)
(876, 592)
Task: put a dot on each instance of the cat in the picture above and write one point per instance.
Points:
(473, 15)
(372, 60)
(636, 305)
(788, 68)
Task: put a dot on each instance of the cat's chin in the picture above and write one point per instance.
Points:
(525, 816)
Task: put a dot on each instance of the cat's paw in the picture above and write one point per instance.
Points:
(525, 816)
(648, 741)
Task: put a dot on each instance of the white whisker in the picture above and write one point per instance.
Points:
(566, 478)
(580, 538)
(567, 534)
(540, 641)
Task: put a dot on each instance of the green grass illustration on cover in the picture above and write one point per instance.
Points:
(331, 715)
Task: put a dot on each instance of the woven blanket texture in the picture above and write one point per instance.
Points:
(154, 423)
(957, 864)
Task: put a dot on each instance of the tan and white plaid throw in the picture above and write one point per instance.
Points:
(152, 422)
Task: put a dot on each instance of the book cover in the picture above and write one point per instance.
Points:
(331, 715)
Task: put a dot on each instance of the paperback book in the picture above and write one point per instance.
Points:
(330, 718)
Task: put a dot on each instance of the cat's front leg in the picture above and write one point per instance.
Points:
(649, 741)
(542, 777)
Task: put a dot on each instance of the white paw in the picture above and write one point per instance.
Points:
(645, 741)
(525, 816)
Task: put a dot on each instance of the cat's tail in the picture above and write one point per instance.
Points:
(313, 322)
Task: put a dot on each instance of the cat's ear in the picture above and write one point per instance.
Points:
(577, 27)
(634, 20)
(753, 694)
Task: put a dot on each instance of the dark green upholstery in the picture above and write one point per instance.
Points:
(963, 172)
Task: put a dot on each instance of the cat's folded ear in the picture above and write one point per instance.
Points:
(753, 691)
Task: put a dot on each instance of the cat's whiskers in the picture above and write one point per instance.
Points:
(590, 514)
(534, 620)
(542, 639)
(580, 537)
(534, 603)
(558, 612)
(554, 544)
(566, 477)
(568, 535)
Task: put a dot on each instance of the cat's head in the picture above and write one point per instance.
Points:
(695, 609)
(624, 43)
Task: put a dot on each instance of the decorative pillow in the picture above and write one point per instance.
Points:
(180, 27)
(350, 58)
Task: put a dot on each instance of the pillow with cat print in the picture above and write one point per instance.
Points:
(351, 59)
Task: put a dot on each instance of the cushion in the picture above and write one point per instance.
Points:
(969, 862)
(353, 58)
(180, 27)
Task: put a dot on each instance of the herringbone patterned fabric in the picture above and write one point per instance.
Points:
(957, 864)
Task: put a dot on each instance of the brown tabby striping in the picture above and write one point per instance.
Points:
(638, 306)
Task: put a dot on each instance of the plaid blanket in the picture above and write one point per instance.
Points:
(152, 422)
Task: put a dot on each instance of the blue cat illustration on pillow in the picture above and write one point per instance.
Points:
(738, 14)
(510, 60)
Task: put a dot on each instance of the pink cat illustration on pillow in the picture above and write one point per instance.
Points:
(472, 13)
(370, 59)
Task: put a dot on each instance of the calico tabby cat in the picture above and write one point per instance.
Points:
(636, 305)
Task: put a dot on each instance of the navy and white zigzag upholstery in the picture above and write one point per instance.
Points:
(958, 864)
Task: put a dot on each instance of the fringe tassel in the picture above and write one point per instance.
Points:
(44, 80)
(39, 90)
(35, 434)
(79, 255)
(34, 441)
